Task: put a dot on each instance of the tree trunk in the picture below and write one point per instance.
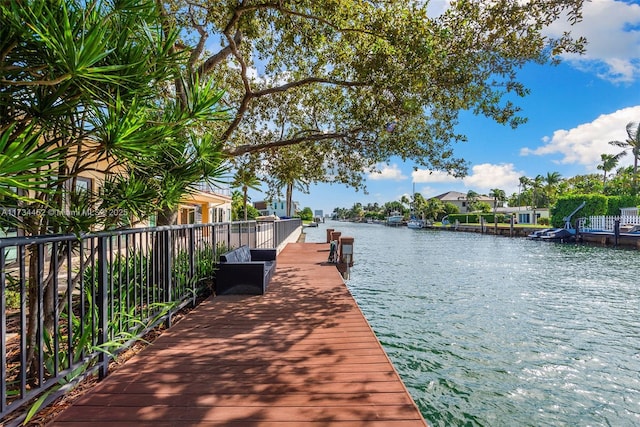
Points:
(244, 201)
(32, 318)
(167, 216)
(289, 200)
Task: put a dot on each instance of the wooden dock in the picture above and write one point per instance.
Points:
(301, 355)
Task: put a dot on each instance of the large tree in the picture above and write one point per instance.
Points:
(359, 81)
(632, 143)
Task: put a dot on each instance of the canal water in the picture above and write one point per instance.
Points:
(498, 331)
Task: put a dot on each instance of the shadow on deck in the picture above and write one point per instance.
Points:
(300, 355)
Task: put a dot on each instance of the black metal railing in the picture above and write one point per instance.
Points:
(71, 303)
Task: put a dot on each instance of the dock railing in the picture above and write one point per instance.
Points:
(606, 223)
(70, 304)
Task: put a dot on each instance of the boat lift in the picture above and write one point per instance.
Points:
(567, 219)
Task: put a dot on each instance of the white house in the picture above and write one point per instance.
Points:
(277, 208)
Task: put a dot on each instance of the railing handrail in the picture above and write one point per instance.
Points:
(26, 240)
(106, 282)
(606, 222)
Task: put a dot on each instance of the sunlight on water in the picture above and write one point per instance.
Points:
(494, 331)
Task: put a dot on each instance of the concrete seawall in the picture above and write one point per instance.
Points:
(625, 240)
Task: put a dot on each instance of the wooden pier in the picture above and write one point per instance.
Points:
(300, 355)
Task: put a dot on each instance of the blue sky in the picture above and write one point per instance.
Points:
(573, 111)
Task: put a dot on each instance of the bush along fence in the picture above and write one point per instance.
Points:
(71, 304)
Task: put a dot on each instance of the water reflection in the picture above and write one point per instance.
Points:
(496, 331)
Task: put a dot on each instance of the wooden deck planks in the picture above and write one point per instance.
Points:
(301, 355)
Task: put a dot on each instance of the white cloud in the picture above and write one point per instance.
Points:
(613, 37)
(487, 176)
(585, 143)
(611, 30)
(387, 173)
(482, 178)
(427, 176)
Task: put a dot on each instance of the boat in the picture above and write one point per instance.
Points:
(415, 223)
(564, 234)
(536, 235)
(394, 219)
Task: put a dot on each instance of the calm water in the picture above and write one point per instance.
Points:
(495, 331)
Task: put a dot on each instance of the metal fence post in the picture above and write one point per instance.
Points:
(167, 274)
(3, 334)
(103, 303)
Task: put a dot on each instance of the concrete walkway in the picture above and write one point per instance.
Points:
(301, 355)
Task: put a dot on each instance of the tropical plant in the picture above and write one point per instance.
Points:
(290, 168)
(622, 182)
(585, 184)
(246, 179)
(82, 86)
(609, 163)
(306, 214)
(472, 200)
(434, 209)
(356, 211)
(552, 180)
(524, 183)
(406, 202)
(450, 208)
(536, 186)
(418, 205)
(632, 143)
(498, 196)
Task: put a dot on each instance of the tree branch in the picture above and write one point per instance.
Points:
(248, 148)
(307, 81)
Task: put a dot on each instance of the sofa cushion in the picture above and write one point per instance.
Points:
(244, 254)
(229, 257)
(241, 254)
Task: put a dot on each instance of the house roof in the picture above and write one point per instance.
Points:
(206, 197)
(456, 196)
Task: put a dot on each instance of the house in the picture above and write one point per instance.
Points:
(460, 200)
(526, 214)
(207, 205)
(523, 214)
(277, 208)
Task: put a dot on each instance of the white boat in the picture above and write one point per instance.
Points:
(394, 219)
(415, 223)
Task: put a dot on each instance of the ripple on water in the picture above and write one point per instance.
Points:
(493, 331)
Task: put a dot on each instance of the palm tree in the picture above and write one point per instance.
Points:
(472, 199)
(498, 196)
(183, 165)
(246, 179)
(524, 182)
(609, 163)
(433, 209)
(405, 200)
(536, 185)
(552, 180)
(632, 143)
(419, 203)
